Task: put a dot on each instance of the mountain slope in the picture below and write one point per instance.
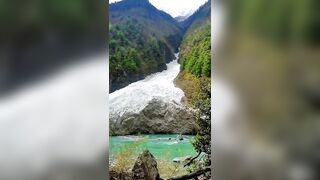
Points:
(198, 18)
(195, 52)
(195, 56)
(142, 40)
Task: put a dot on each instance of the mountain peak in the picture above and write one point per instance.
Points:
(125, 4)
(144, 6)
(137, 1)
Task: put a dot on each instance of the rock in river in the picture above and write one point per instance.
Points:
(157, 117)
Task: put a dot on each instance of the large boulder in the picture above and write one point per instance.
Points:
(145, 167)
(157, 117)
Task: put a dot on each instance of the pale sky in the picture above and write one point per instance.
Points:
(175, 7)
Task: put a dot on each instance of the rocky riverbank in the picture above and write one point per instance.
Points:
(146, 168)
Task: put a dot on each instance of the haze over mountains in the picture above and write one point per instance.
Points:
(198, 18)
(142, 40)
(183, 17)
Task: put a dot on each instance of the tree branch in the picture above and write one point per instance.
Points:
(193, 174)
(188, 164)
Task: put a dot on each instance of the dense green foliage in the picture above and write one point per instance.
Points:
(195, 51)
(202, 142)
(197, 56)
(131, 51)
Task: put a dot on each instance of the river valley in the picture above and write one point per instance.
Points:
(157, 88)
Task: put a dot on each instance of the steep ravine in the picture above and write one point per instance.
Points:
(142, 40)
(152, 105)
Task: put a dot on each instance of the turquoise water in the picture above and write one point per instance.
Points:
(159, 145)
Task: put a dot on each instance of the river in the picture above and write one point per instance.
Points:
(134, 97)
(164, 147)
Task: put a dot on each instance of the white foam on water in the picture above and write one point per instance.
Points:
(172, 143)
(136, 96)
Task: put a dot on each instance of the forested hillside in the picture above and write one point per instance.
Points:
(195, 52)
(142, 40)
(194, 77)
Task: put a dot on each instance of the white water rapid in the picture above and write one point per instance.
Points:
(136, 96)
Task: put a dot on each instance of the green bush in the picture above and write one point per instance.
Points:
(202, 103)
